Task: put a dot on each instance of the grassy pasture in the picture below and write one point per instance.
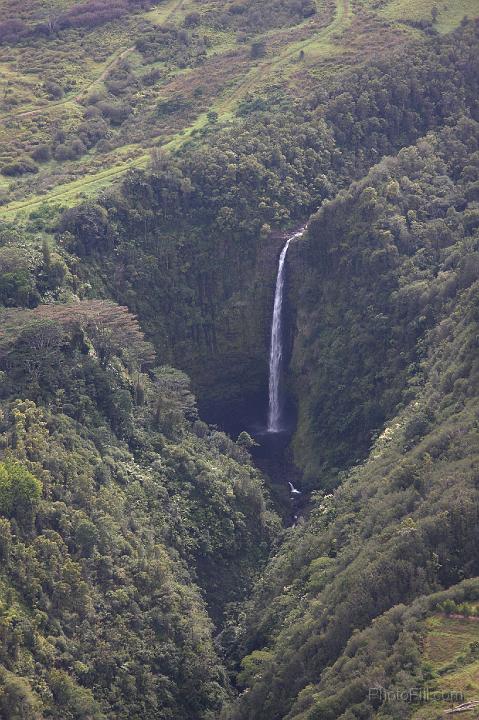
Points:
(342, 34)
(447, 652)
(449, 12)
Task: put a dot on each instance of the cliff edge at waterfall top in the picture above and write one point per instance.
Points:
(239, 461)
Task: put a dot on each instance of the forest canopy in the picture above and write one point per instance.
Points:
(162, 556)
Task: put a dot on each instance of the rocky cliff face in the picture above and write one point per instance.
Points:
(231, 377)
(205, 299)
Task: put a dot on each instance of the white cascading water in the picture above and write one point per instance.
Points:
(276, 349)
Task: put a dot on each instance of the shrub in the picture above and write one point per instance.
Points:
(95, 96)
(42, 153)
(92, 131)
(91, 112)
(69, 151)
(12, 30)
(465, 609)
(448, 607)
(21, 166)
(308, 8)
(237, 9)
(103, 146)
(92, 14)
(151, 77)
(53, 90)
(192, 19)
(116, 112)
(172, 105)
(258, 49)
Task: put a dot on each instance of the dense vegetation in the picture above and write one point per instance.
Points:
(254, 15)
(386, 261)
(403, 523)
(156, 243)
(144, 572)
(91, 85)
(114, 499)
(87, 89)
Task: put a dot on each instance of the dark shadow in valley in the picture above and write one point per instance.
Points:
(272, 455)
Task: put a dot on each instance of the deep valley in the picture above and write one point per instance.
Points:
(239, 360)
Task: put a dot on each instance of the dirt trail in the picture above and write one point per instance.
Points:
(343, 14)
(106, 72)
(171, 8)
(340, 21)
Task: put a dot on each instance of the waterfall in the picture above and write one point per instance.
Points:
(276, 348)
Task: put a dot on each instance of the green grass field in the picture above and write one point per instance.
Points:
(447, 652)
(449, 14)
(298, 56)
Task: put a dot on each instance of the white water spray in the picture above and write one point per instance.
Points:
(276, 350)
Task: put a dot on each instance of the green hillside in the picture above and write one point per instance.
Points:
(85, 104)
(403, 522)
(114, 499)
(154, 158)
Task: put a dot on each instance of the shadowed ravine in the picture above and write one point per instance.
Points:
(270, 415)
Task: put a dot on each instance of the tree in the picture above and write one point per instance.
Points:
(246, 441)
(31, 342)
(20, 491)
(253, 666)
(258, 49)
(17, 700)
(35, 353)
(114, 330)
(88, 223)
(17, 284)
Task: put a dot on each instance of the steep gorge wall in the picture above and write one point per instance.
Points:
(384, 304)
(376, 271)
(231, 378)
(209, 316)
(187, 245)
